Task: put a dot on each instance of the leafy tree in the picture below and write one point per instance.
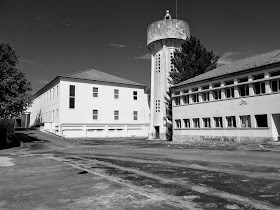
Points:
(15, 90)
(190, 60)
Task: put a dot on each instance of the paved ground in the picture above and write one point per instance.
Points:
(54, 173)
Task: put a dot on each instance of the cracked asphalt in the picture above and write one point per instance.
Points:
(138, 174)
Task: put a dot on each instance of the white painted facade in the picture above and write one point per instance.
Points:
(229, 114)
(98, 110)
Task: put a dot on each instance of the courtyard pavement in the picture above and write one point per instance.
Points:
(49, 172)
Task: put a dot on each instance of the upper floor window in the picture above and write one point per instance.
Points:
(230, 82)
(231, 122)
(116, 115)
(186, 99)
(229, 92)
(116, 93)
(243, 90)
(218, 122)
(244, 79)
(177, 101)
(261, 121)
(245, 121)
(135, 115)
(158, 105)
(205, 96)
(195, 98)
(134, 95)
(95, 114)
(178, 123)
(275, 85)
(72, 96)
(194, 89)
(205, 87)
(258, 76)
(217, 94)
(216, 85)
(274, 73)
(187, 123)
(95, 92)
(259, 87)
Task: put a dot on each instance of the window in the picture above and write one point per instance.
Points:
(245, 121)
(116, 114)
(186, 99)
(205, 96)
(196, 123)
(216, 85)
(275, 74)
(135, 115)
(158, 105)
(275, 85)
(95, 114)
(218, 122)
(177, 101)
(194, 89)
(116, 93)
(230, 82)
(243, 90)
(57, 91)
(244, 79)
(158, 63)
(231, 122)
(185, 91)
(187, 123)
(195, 98)
(72, 97)
(259, 88)
(205, 87)
(206, 122)
(217, 94)
(134, 95)
(261, 121)
(230, 92)
(95, 92)
(259, 76)
(178, 123)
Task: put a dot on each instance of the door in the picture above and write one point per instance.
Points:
(157, 132)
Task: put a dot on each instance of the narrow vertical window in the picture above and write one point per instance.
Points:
(196, 123)
(57, 91)
(134, 95)
(218, 122)
(187, 123)
(95, 92)
(116, 114)
(206, 122)
(231, 122)
(116, 93)
(95, 114)
(135, 115)
(72, 97)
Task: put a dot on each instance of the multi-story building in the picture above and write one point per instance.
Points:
(91, 103)
(235, 102)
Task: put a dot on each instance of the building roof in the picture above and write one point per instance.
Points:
(94, 75)
(237, 66)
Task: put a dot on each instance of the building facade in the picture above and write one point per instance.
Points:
(92, 104)
(163, 37)
(235, 102)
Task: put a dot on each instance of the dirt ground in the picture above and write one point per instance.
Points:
(56, 173)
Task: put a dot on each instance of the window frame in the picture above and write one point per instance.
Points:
(116, 93)
(218, 122)
(247, 121)
(206, 122)
(72, 94)
(135, 115)
(116, 114)
(95, 114)
(178, 123)
(196, 123)
(95, 92)
(135, 95)
(231, 121)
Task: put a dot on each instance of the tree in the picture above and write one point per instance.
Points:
(15, 90)
(190, 60)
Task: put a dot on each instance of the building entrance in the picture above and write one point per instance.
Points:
(157, 132)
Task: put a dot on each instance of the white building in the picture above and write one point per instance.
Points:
(91, 103)
(163, 37)
(235, 102)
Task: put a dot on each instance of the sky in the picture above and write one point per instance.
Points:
(57, 37)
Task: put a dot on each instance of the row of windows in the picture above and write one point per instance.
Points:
(242, 90)
(116, 114)
(94, 95)
(47, 96)
(49, 116)
(217, 122)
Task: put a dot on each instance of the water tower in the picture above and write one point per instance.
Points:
(163, 37)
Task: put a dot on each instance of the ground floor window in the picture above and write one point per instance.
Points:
(261, 121)
(206, 122)
(186, 99)
(135, 115)
(245, 121)
(187, 123)
(178, 123)
(231, 122)
(196, 123)
(95, 114)
(116, 114)
(218, 122)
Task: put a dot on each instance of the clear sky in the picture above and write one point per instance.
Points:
(56, 37)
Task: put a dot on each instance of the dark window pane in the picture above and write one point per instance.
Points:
(72, 90)
(261, 120)
(274, 85)
(274, 74)
(72, 103)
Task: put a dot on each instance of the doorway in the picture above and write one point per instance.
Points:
(157, 132)
(275, 126)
